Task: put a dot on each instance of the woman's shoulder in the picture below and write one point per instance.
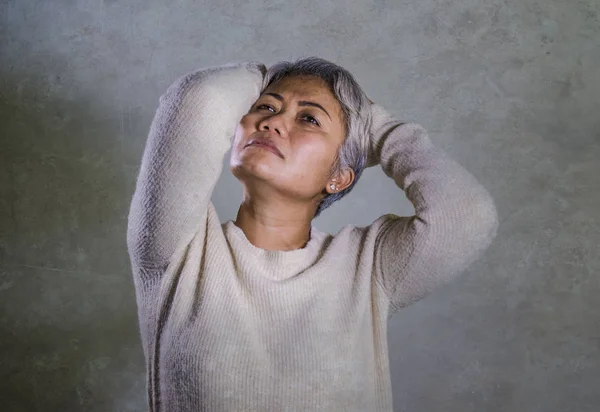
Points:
(361, 234)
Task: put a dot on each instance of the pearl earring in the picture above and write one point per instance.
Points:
(332, 186)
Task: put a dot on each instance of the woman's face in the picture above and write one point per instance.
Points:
(289, 139)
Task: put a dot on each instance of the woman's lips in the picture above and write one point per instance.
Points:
(265, 145)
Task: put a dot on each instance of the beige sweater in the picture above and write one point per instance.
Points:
(229, 327)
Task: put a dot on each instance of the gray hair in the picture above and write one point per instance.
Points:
(355, 106)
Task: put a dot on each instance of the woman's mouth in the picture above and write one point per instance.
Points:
(265, 145)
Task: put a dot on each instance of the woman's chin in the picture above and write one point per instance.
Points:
(261, 169)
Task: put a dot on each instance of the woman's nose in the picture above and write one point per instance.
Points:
(273, 123)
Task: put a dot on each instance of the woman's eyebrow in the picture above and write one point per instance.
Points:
(300, 103)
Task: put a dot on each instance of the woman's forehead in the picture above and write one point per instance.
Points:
(308, 88)
(301, 85)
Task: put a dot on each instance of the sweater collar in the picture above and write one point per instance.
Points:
(277, 264)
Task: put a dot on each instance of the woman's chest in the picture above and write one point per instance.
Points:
(243, 326)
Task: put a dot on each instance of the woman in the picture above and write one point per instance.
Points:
(267, 313)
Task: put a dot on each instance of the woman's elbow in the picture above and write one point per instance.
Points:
(479, 226)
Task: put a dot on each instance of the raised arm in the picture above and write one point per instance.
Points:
(182, 161)
(455, 218)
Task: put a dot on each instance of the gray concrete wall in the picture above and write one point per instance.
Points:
(510, 88)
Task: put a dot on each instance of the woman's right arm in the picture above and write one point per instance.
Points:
(182, 161)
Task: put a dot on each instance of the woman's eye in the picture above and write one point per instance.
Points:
(311, 119)
(265, 106)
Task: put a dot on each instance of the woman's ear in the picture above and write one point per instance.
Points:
(341, 181)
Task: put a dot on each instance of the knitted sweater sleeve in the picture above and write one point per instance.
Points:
(182, 161)
(455, 217)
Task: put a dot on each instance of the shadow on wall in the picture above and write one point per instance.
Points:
(68, 328)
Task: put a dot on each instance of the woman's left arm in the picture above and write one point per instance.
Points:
(455, 217)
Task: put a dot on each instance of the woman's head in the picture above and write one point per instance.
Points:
(307, 134)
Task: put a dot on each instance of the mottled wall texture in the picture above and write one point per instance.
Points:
(510, 88)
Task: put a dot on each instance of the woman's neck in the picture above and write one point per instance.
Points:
(272, 226)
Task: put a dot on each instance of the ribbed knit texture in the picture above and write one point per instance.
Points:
(228, 327)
